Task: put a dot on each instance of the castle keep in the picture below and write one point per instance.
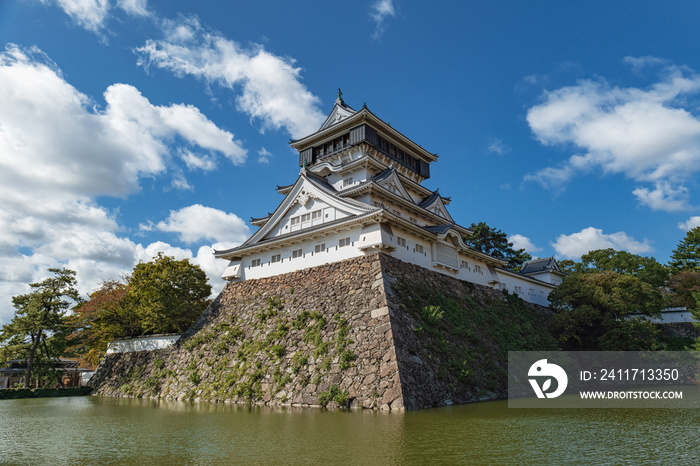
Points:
(359, 191)
(358, 290)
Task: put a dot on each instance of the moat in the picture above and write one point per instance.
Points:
(104, 430)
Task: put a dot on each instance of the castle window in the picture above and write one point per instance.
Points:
(419, 248)
(465, 265)
(315, 214)
(518, 289)
(296, 253)
(401, 241)
(305, 218)
(295, 221)
(276, 258)
(532, 292)
(320, 248)
(255, 263)
(477, 268)
(343, 242)
(347, 182)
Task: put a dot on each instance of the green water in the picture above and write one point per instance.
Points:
(94, 430)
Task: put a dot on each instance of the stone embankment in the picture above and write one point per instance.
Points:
(370, 332)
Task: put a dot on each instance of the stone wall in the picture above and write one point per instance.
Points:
(371, 331)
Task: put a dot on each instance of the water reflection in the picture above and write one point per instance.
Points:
(127, 431)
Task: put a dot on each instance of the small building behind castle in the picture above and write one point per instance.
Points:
(359, 191)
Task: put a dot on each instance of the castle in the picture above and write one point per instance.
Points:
(359, 191)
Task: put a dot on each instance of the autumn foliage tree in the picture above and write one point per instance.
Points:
(161, 296)
(101, 319)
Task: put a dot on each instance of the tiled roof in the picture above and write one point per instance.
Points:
(540, 265)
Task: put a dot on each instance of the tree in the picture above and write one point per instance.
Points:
(686, 256)
(625, 263)
(168, 295)
(594, 309)
(161, 296)
(495, 243)
(39, 314)
(106, 316)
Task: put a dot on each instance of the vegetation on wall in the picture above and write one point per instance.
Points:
(468, 339)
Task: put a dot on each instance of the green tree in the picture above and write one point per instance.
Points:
(168, 295)
(593, 311)
(495, 243)
(39, 314)
(624, 263)
(686, 256)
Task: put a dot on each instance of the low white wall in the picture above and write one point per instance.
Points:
(147, 343)
(671, 316)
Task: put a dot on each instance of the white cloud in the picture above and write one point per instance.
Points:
(264, 156)
(53, 141)
(664, 197)
(576, 244)
(648, 135)
(197, 161)
(59, 152)
(496, 146)
(89, 14)
(196, 222)
(379, 11)
(523, 242)
(639, 64)
(692, 222)
(134, 7)
(271, 87)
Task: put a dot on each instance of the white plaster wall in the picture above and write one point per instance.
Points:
(531, 292)
(672, 316)
(147, 343)
(358, 176)
(332, 253)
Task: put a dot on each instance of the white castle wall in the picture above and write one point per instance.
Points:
(469, 268)
(147, 343)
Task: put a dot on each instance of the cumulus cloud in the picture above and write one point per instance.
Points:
(692, 222)
(59, 151)
(664, 196)
(379, 12)
(648, 135)
(523, 242)
(575, 245)
(271, 90)
(196, 223)
(54, 141)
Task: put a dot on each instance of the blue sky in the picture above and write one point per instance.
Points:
(129, 127)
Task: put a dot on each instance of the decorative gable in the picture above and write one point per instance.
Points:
(434, 204)
(389, 180)
(339, 113)
(309, 203)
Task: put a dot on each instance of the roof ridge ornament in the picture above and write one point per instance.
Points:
(339, 98)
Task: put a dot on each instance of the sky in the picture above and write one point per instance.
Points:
(132, 127)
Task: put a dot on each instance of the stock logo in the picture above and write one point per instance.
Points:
(546, 371)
